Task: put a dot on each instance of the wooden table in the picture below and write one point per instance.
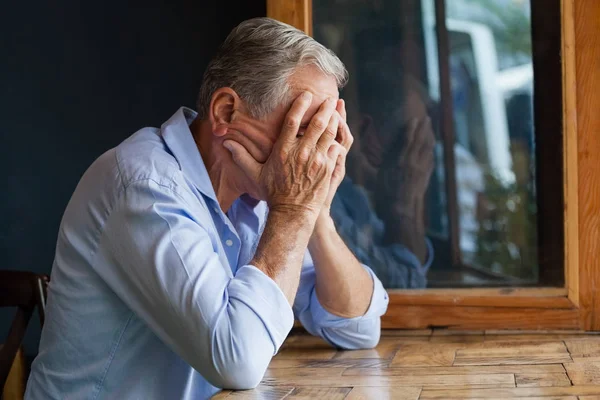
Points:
(437, 365)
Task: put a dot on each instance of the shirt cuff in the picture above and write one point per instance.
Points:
(378, 307)
(261, 294)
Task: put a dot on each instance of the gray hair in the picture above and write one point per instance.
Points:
(257, 59)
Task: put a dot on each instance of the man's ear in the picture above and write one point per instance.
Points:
(224, 102)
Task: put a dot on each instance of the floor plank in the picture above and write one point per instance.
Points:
(305, 354)
(385, 350)
(335, 393)
(514, 360)
(584, 347)
(292, 373)
(510, 393)
(432, 354)
(260, 393)
(536, 379)
(277, 377)
(384, 393)
(503, 353)
(374, 363)
(584, 373)
(529, 398)
(549, 369)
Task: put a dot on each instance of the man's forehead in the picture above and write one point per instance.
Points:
(312, 79)
(319, 96)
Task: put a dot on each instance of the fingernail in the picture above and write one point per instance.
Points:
(228, 146)
(307, 95)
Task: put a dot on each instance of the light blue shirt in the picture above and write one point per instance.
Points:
(151, 294)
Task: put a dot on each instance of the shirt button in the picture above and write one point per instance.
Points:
(229, 242)
(216, 210)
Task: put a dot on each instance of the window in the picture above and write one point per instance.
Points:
(457, 160)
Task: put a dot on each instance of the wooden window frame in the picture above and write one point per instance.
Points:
(576, 306)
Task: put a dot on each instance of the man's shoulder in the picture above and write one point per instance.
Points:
(144, 156)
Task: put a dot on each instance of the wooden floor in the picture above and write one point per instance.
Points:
(437, 365)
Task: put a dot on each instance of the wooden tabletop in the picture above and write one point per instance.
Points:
(437, 365)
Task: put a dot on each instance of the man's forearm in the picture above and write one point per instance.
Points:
(343, 286)
(281, 248)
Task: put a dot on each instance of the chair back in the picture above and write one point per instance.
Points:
(24, 291)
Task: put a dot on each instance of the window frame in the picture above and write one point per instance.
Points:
(575, 305)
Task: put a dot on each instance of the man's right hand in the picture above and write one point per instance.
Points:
(297, 174)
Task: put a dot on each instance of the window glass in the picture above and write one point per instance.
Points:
(393, 208)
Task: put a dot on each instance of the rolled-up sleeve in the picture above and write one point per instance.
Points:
(226, 327)
(347, 333)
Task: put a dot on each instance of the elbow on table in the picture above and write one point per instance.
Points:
(359, 339)
(241, 372)
(239, 379)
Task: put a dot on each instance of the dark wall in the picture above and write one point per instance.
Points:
(76, 79)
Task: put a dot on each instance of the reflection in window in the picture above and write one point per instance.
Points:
(392, 209)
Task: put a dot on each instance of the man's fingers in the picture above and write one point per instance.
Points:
(291, 124)
(340, 167)
(341, 109)
(329, 134)
(344, 137)
(243, 159)
(318, 124)
(335, 150)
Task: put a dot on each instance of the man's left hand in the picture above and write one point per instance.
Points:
(345, 139)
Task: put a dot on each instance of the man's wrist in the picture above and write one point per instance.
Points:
(285, 237)
(294, 214)
(324, 227)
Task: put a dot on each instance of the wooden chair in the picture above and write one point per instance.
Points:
(25, 291)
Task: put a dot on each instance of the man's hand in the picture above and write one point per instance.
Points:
(345, 139)
(297, 174)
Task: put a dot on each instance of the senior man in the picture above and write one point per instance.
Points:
(186, 251)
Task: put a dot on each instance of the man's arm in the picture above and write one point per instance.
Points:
(339, 299)
(361, 332)
(169, 274)
(343, 286)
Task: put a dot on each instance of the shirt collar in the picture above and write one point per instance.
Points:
(178, 137)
